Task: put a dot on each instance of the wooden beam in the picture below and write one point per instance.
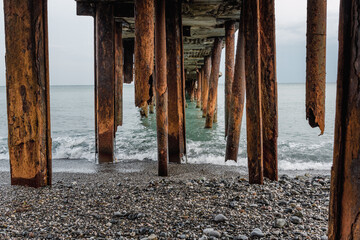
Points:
(269, 88)
(161, 87)
(176, 117)
(344, 220)
(229, 67)
(27, 84)
(198, 89)
(205, 91)
(212, 98)
(105, 81)
(144, 52)
(128, 60)
(253, 91)
(316, 63)
(119, 75)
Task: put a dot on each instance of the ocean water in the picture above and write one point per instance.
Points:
(72, 126)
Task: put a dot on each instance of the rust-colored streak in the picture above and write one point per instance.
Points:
(237, 98)
(119, 75)
(316, 63)
(229, 67)
(253, 91)
(345, 183)
(105, 81)
(213, 83)
(144, 51)
(161, 87)
(27, 82)
(128, 60)
(176, 118)
(198, 89)
(205, 91)
(269, 88)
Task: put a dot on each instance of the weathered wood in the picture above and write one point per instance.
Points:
(121, 10)
(253, 91)
(27, 83)
(192, 89)
(176, 117)
(119, 75)
(128, 60)
(229, 67)
(344, 220)
(105, 55)
(316, 63)
(213, 83)
(237, 98)
(144, 51)
(205, 92)
(202, 87)
(198, 89)
(161, 87)
(269, 88)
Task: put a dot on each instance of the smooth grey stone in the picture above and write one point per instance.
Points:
(279, 223)
(256, 233)
(220, 218)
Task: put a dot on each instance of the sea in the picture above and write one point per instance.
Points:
(72, 128)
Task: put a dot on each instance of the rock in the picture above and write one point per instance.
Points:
(324, 237)
(152, 237)
(117, 214)
(220, 218)
(241, 237)
(211, 232)
(295, 219)
(203, 237)
(279, 223)
(182, 236)
(257, 233)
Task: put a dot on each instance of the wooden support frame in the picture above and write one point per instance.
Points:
(205, 89)
(128, 60)
(27, 83)
(198, 88)
(119, 75)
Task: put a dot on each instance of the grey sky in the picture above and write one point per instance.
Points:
(71, 42)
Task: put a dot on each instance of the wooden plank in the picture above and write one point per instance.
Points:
(27, 82)
(119, 75)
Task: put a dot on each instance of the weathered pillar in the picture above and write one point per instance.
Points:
(176, 101)
(105, 63)
(269, 88)
(229, 67)
(161, 87)
(253, 91)
(198, 89)
(192, 90)
(144, 52)
(128, 60)
(27, 83)
(205, 89)
(237, 98)
(202, 87)
(119, 75)
(211, 104)
(344, 220)
(316, 63)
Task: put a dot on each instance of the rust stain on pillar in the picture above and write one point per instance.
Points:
(105, 62)
(229, 67)
(128, 60)
(27, 82)
(213, 83)
(236, 109)
(161, 87)
(176, 117)
(205, 89)
(269, 88)
(344, 220)
(316, 63)
(253, 91)
(119, 75)
(144, 51)
(198, 89)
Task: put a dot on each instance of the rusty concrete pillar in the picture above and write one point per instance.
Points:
(316, 63)
(237, 98)
(253, 91)
(105, 72)
(344, 220)
(27, 83)
(144, 52)
(161, 87)
(119, 75)
(269, 88)
(213, 83)
(198, 89)
(176, 101)
(205, 89)
(128, 60)
(229, 67)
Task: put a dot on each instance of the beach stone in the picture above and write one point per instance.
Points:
(203, 237)
(211, 232)
(241, 237)
(257, 233)
(220, 218)
(324, 237)
(117, 214)
(152, 237)
(279, 223)
(295, 219)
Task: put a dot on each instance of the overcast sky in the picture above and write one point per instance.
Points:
(71, 42)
